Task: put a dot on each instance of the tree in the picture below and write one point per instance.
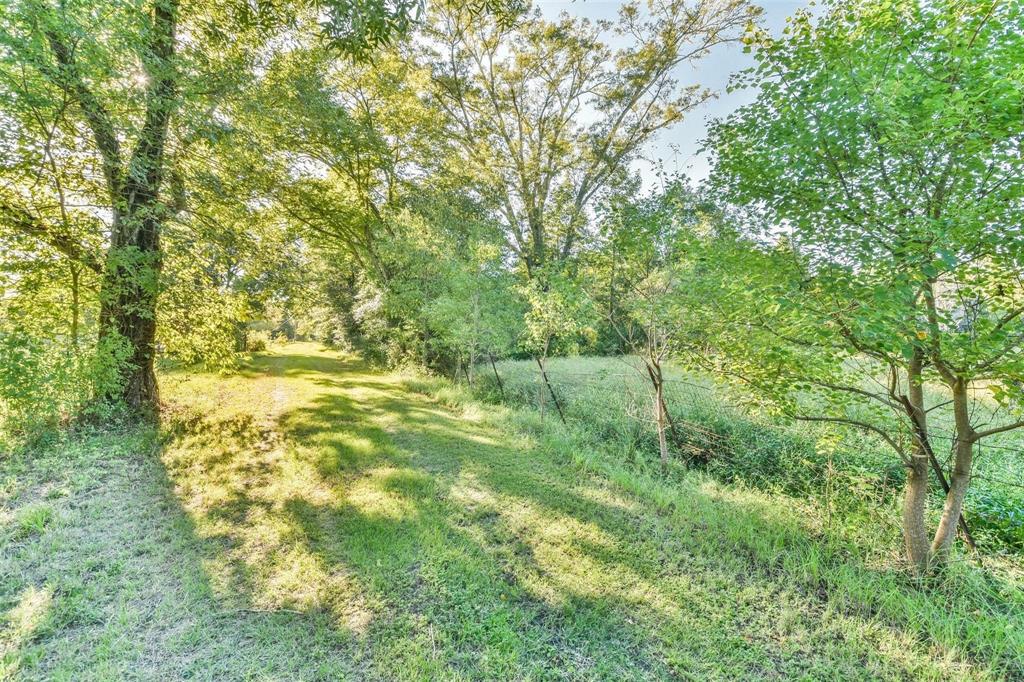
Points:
(637, 274)
(119, 95)
(880, 169)
(547, 115)
(348, 144)
(56, 43)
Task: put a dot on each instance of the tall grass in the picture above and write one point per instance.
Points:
(771, 495)
(853, 476)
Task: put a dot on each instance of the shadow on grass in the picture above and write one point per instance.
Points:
(432, 548)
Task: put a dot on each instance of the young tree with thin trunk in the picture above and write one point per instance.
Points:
(645, 257)
(884, 152)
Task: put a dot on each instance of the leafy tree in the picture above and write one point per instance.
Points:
(82, 77)
(639, 278)
(548, 115)
(349, 142)
(108, 104)
(882, 159)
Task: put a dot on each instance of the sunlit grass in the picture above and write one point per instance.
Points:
(309, 518)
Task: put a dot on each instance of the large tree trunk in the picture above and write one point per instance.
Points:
(915, 496)
(132, 272)
(961, 477)
(128, 307)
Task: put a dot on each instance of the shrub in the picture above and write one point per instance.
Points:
(257, 341)
(45, 383)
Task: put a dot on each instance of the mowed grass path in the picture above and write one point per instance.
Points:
(308, 518)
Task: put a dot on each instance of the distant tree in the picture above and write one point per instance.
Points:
(548, 115)
(880, 168)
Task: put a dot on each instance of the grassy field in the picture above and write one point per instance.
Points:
(308, 518)
(855, 474)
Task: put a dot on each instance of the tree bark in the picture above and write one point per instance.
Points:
(76, 276)
(960, 479)
(128, 297)
(131, 270)
(659, 410)
(497, 377)
(915, 497)
(554, 398)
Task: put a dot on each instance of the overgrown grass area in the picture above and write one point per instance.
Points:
(855, 476)
(309, 518)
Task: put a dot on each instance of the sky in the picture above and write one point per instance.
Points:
(677, 146)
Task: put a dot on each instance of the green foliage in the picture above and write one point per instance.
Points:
(851, 475)
(884, 148)
(882, 186)
(257, 341)
(559, 316)
(33, 520)
(45, 384)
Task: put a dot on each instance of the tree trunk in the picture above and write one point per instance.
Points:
(659, 411)
(131, 278)
(961, 477)
(128, 297)
(915, 497)
(658, 383)
(497, 377)
(476, 336)
(554, 397)
(76, 273)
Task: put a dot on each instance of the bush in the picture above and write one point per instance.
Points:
(45, 384)
(257, 341)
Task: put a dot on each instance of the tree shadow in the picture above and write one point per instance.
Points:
(432, 546)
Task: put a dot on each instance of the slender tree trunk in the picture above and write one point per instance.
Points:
(915, 497)
(963, 455)
(476, 336)
(658, 383)
(540, 394)
(497, 377)
(659, 411)
(554, 397)
(76, 273)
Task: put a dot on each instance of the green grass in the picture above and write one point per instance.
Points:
(309, 518)
(853, 473)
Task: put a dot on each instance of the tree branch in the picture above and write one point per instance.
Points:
(28, 224)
